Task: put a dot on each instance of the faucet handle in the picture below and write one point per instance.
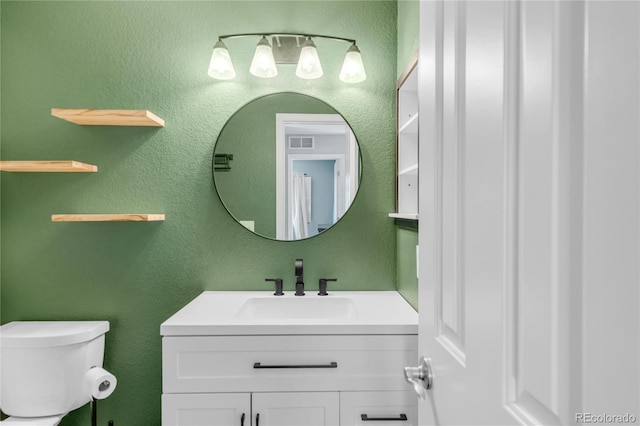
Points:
(298, 268)
(278, 282)
(323, 286)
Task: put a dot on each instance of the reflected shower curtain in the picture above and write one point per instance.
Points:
(301, 206)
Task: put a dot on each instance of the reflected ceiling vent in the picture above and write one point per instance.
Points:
(301, 142)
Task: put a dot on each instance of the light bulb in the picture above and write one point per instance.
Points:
(309, 66)
(220, 66)
(263, 65)
(352, 67)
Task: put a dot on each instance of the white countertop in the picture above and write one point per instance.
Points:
(242, 313)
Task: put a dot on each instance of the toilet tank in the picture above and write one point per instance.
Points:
(43, 364)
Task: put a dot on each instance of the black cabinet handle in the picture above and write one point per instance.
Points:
(366, 418)
(242, 420)
(258, 419)
(330, 365)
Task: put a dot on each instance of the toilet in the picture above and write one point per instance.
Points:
(44, 368)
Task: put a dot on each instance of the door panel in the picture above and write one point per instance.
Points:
(522, 147)
(541, 256)
(450, 291)
(462, 242)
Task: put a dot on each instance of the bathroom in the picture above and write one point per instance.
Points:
(154, 55)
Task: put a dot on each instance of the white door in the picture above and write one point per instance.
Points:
(296, 409)
(530, 207)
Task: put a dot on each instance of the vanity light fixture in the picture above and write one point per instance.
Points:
(288, 48)
(220, 66)
(309, 66)
(263, 65)
(352, 67)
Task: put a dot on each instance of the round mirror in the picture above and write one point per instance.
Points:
(286, 166)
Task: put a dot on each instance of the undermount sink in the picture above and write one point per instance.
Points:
(298, 307)
(219, 313)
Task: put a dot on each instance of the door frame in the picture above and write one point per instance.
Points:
(282, 119)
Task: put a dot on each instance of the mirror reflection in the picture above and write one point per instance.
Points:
(286, 166)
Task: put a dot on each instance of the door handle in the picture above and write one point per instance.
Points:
(366, 418)
(421, 377)
(242, 420)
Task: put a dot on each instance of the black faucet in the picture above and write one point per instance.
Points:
(323, 286)
(278, 282)
(299, 279)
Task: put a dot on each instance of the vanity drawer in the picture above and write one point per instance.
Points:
(286, 363)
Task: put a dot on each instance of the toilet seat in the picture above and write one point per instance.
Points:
(33, 421)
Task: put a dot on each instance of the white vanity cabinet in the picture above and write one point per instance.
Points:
(286, 380)
(246, 409)
(388, 408)
(262, 376)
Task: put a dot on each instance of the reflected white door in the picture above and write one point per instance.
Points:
(530, 194)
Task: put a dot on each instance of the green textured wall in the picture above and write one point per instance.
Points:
(154, 55)
(408, 32)
(407, 238)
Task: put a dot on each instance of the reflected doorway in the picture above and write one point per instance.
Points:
(317, 173)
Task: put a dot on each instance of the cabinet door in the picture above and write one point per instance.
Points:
(206, 409)
(378, 408)
(296, 409)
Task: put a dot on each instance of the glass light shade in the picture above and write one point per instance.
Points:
(352, 67)
(220, 66)
(309, 66)
(263, 65)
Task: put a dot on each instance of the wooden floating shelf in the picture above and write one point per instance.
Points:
(107, 217)
(410, 216)
(109, 117)
(47, 166)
